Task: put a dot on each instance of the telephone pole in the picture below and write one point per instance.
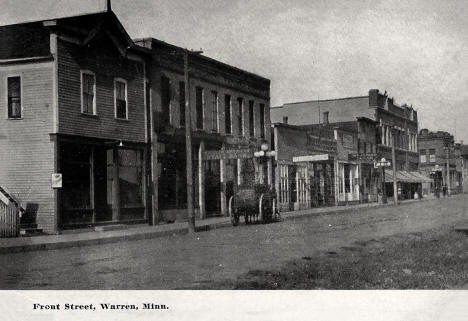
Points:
(188, 144)
(395, 186)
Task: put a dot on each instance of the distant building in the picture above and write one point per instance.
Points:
(325, 164)
(388, 118)
(440, 157)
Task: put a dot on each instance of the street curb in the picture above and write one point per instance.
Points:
(130, 236)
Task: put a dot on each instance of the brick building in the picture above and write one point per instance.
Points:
(440, 157)
(393, 123)
(325, 164)
(230, 121)
(84, 100)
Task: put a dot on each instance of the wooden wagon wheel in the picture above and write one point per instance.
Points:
(233, 216)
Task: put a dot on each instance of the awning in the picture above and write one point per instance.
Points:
(406, 177)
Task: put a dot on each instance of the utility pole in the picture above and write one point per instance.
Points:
(395, 186)
(188, 144)
(447, 151)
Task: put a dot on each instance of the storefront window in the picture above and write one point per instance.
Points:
(131, 183)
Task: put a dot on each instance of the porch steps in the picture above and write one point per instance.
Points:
(30, 230)
(114, 227)
(462, 228)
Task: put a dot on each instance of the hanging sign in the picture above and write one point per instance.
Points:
(56, 180)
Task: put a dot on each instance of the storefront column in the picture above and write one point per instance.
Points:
(222, 177)
(115, 187)
(277, 183)
(201, 181)
(307, 185)
(57, 216)
(270, 171)
(239, 171)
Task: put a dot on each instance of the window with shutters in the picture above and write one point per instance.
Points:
(120, 91)
(14, 97)
(88, 93)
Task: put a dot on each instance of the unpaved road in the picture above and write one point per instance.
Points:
(187, 261)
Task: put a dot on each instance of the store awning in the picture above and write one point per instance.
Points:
(406, 177)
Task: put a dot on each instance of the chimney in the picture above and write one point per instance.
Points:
(325, 117)
(285, 120)
(373, 97)
(108, 6)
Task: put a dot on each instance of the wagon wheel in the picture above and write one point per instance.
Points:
(265, 209)
(247, 218)
(232, 215)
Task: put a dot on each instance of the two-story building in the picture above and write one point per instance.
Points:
(394, 124)
(93, 125)
(73, 95)
(440, 157)
(229, 120)
(325, 164)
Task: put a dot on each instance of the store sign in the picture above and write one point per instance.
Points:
(311, 158)
(56, 180)
(227, 154)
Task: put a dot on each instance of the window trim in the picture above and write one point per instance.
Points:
(21, 96)
(88, 72)
(121, 80)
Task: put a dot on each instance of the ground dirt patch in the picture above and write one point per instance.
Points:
(435, 259)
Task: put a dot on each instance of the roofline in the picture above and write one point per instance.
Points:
(209, 59)
(319, 100)
(55, 18)
(25, 60)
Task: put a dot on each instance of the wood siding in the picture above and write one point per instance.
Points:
(26, 151)
(103, 59)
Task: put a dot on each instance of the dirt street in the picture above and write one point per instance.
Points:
(187, 261)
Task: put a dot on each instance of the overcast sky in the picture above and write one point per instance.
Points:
(416, 50)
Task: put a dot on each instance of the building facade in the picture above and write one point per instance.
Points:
(230, 121)
(394, 125)
(325, 164)
(92, 131)
(440, 157)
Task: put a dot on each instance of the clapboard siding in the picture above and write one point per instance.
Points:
(26, 151)
(103, 59)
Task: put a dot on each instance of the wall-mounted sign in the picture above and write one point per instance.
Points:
(227, 154)
(311, 158)
(56, 180)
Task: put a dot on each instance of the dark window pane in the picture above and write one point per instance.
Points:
(262, 120)
(199, 106)
(14, 97)
(251, 119)
(182, 103)
(227, 113)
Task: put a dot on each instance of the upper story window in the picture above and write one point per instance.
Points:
(88, 93)
(165, 100)
(422, 155)
(199, 102)
(432, 156)
(214, 110)
(182, 103)
(262, 120)
(227, 114)
(14, 97)
(251, 119)
(240, 103)
(120, 91)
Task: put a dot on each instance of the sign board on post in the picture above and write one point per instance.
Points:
(311, 158)
(56, 180)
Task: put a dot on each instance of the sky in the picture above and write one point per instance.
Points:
(416, 50)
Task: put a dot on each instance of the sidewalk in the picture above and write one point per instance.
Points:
(51, 242)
